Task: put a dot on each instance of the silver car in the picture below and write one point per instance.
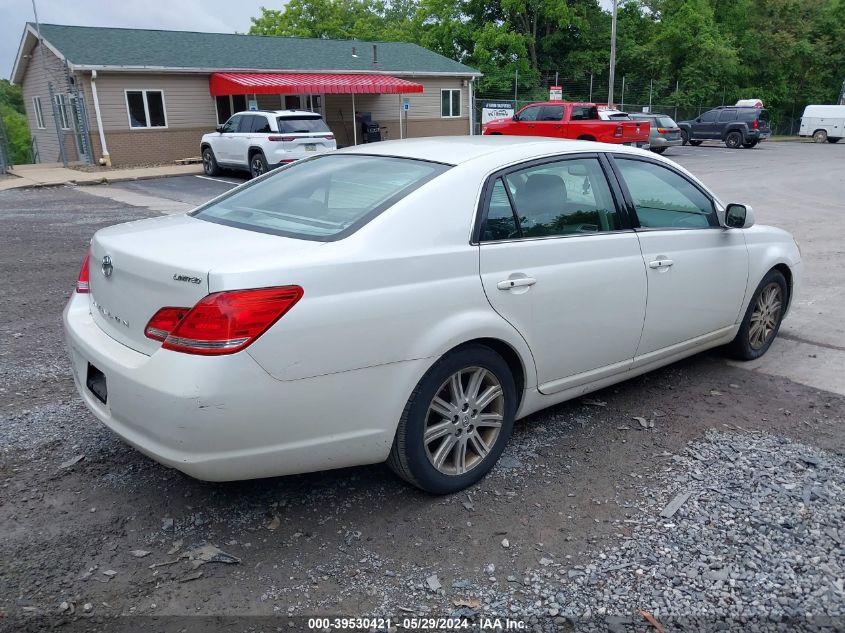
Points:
(665, 133)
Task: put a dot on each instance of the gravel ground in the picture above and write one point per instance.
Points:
(565, 534)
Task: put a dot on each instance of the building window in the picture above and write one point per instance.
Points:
(450, 103)
(228, 105)
(146, 108)
(61, 107)
(39, 113)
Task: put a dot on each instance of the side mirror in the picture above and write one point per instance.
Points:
(219, 128)
(739, 216)
(515, 117)
(698, 120)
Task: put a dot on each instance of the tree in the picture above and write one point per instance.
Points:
(14, 120)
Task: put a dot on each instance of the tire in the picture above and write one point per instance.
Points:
(684, 137)
(831, 139)
(695, 143)
(819, 136)
(751, 342)
(658, 150)
(586, 138)
(733, 140)
(414, 460)
(750, 144)
(257, 165)
(209, 163)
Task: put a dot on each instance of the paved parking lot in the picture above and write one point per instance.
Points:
(568, 524)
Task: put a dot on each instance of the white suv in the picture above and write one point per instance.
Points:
(260, 140)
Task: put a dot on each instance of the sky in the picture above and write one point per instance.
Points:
(220, 16)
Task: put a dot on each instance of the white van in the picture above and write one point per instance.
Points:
(823, 123)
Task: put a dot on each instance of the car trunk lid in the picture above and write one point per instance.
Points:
(140, 267)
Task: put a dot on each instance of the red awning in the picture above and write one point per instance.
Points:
(296, 83)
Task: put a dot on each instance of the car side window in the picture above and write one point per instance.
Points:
(584, 113)
(552, 199)
(530, 114)
(552, 113)
(260, 125)
(232, 124)
(246, 123)
(500, 223)
(727, 115)
(708, 117)
(665, 200)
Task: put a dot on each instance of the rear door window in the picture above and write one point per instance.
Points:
(260, 125)
(246, 123)
(727, 115)
(584, 113)
(708, 117)
(302, 125)
(325, 198)
(552, 113)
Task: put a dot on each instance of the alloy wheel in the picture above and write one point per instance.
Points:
(464, 420)
(206, 162)
(257, 166)
(766, 316)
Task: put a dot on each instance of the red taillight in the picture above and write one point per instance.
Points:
(82, 281)
(756, 124)
(281, 138)
(618, 132)
(164, 322)
(223, 322)
(329, 137)
(662, 130)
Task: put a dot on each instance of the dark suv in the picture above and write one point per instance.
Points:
(735, 126)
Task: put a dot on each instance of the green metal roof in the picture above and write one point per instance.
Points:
(100, 46)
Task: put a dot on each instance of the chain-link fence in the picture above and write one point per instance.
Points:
(634, 94)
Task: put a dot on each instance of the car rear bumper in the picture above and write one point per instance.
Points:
(225, 418)
(659, 141)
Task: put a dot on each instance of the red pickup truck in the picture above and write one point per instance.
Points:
(560, 119)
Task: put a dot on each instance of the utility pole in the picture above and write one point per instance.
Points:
(612, 54)
(55, 106)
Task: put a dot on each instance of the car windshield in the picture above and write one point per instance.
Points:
(325, 198)
(302, 124)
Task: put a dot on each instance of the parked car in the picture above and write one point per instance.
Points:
(734, 126)
(612, 114)
(664, 134)
(259, 140)
(408, 300)
(560, 119)
(823, 123)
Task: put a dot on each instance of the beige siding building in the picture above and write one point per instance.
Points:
(135, 97)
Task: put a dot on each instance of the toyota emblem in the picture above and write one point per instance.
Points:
(107, 267)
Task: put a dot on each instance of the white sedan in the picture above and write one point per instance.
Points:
(408, 300)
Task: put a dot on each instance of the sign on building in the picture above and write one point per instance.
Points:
(555, 93)
(493, 110)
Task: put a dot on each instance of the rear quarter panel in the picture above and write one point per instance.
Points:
(406, 286)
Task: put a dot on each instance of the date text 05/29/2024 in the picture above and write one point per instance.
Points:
(416, 624)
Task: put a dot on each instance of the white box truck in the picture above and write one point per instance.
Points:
(823, 123)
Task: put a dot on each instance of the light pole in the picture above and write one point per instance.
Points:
(612, 54)
(515, 58)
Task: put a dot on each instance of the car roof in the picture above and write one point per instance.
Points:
(282, 113)
(455, 150)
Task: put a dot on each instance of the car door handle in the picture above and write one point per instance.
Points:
(518, 282)
(660, 263)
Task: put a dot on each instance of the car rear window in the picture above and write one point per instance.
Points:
(325, 198)
(302, 124)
